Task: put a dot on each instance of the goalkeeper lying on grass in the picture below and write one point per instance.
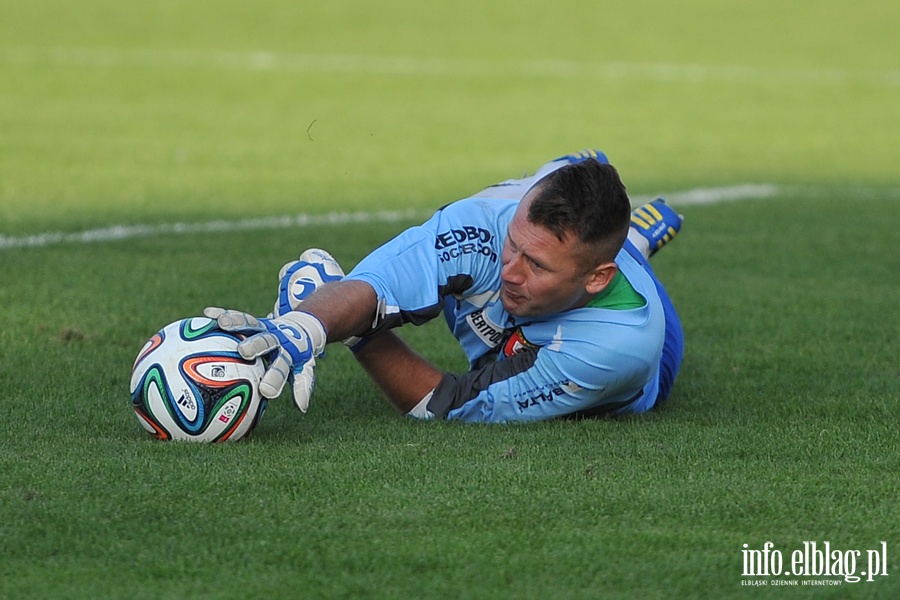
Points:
(543, 280)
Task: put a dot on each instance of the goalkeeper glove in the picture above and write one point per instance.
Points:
(300, 278)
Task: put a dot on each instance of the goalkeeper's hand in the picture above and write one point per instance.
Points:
(300, 278)
(292, 342)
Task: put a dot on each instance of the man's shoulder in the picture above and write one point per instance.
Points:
(588, 344)
(596, 329)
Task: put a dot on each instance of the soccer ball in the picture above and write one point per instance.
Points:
(190, 383)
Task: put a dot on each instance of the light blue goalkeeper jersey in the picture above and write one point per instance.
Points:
(586, 361)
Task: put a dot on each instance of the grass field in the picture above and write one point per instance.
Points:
(783, 424)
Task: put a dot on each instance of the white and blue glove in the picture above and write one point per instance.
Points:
(300, 278)
(290, 342)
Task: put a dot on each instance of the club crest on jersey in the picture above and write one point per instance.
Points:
(516, 343)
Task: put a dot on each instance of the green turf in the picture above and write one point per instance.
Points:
(782, 426)
(781, 429)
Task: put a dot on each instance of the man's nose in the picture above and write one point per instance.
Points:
(511, 270)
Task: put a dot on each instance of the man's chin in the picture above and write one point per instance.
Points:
(514, 305)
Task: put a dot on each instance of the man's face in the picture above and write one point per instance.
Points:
(540, 274)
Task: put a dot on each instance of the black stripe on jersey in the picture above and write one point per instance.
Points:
(603, 410)
(455, 390)
(457, 284)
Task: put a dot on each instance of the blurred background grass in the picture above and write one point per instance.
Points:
(117, 112)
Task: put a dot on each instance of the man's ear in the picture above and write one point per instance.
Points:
(599, 277)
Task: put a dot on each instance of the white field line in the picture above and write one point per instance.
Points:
(696, 196)
(430, 67)
(123, 232)
(333, 219)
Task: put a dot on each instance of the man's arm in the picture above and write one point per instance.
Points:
(404, 376)
(347, 308)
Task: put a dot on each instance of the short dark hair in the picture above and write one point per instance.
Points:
(587, 199)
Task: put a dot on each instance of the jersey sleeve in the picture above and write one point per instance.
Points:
(535, 385)
(456, 252)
